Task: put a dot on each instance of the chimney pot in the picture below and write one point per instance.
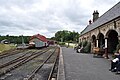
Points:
(90, 22)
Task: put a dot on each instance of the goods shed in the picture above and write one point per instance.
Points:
(38, 41)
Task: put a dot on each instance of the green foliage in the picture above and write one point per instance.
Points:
(15, 39)
(52, 38)
(4, 47)
(87, 48)
(84, 43)
(70, 41)
(80, 44)
(61, 43)
(65, 36)
(118, 47)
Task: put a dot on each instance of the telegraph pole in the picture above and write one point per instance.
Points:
(23, 44)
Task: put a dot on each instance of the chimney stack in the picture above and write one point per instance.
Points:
(90, 22)
(95, 15)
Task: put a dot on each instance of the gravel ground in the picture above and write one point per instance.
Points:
(26, 54)
(8, 51)
(11, 57)
(27, 68)
(44, 72)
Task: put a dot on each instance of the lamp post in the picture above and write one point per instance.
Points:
(23, 44)
(61, 39)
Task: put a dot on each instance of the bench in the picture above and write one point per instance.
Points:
(98, 52)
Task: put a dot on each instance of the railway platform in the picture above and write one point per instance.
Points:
(82, 66)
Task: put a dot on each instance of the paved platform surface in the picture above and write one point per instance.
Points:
(80, 66)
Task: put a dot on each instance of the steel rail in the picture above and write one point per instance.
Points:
(9, 54)
(22, 62)
(53, 68)
(6, 52)
(39, 67)
(14, 60)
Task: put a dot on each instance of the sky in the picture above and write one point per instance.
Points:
(46, 17)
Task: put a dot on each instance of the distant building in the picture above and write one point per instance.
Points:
(38, 41)
(103, 30)
(51, 42)
(5, 41)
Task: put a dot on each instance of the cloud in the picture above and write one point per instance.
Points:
(29, 17)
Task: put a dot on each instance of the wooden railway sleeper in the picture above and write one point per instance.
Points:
(52, 73)
(20, 63)
(38, 68)
(13, 61)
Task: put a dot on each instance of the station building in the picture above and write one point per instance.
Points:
(103, 30)
(38, 41)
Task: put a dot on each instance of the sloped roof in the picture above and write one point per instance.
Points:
(40, 37)
(111, 14)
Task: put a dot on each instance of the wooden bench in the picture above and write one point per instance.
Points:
(97, 51)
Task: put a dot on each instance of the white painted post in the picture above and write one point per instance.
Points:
(106, 43)
(106, 49)
(97, 43)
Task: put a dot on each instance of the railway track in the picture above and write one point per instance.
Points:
(50, 73)
(19, 62)
(14, 57)
(54, 70)
(9, 53)
(23, 67)
(23, 56)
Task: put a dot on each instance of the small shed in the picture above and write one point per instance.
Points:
(38, 41)
(5, 41)
(51, 42)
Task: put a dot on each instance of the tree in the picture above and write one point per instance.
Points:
(66, 36)
(15, 39)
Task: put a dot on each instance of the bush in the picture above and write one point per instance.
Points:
(87, 48)
(118, 47)
(84, 43)
(80, 44)
(62, 43)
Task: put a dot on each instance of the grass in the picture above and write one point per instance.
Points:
(4, 47)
